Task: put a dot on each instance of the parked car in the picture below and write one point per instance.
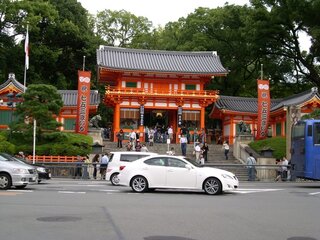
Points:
(13, 173)
(165, 171)
(43, 172)
(119, 160)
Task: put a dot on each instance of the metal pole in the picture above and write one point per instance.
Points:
(25, 68)
(34, 141)
(261, 72)
(84, 63)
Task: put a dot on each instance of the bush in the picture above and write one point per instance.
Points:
(277, 144)
(53, 143)
(6, 146)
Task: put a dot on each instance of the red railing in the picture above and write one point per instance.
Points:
(56, 159)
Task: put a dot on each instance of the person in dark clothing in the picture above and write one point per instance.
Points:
(78, 172)
(95, 161)
(205, 150)
(120, 136)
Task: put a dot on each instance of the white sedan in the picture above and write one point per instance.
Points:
(163, 171)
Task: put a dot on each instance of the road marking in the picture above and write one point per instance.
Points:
(255, 190)
(9, 193)
(71, 192)
(18, 190)
(314, 193)
(109, 190)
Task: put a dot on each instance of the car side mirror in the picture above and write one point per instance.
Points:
(189, 167)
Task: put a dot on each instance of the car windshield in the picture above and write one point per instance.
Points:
(193, 162)
(8, 157)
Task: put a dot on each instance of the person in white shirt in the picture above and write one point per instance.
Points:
(170, 133)
(226, 148)
(104, 165)
(197, 150)
(183, 144)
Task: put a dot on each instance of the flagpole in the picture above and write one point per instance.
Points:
(26, 64)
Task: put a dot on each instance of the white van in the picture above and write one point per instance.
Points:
(118, 160)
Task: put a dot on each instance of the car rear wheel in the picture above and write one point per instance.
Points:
(212, 186)
(21, 186)
(114, 179)
(5, 181)
(139, 184)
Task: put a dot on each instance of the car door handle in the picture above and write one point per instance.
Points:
(170, 170)
(145, 168)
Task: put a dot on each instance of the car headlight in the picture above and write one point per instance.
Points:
(227, 176)
(20, 171)
(41, 169)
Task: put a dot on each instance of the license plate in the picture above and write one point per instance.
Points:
(49, 175)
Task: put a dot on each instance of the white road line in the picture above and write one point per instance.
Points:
(109, 190)
(314, 193)
(72, 192)
(254, 190)
(17, 190)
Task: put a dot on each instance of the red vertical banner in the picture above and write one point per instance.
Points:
(83, 102)
(263, 108)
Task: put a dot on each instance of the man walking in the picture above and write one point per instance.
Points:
(251, 162)
(103, 166)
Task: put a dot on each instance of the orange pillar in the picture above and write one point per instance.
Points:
(202, 117)
(231, 135)
(116, 120)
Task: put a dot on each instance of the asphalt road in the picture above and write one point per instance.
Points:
(75, 209)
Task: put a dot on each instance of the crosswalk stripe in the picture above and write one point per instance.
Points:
(71, 192)
(314, 193)
(19, 190)
(255, 190)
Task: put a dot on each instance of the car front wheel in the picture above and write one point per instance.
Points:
(212, 186)
(139, 184)
(5, 181)
(114, 179)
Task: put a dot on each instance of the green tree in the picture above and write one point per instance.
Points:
(120, 28)
(59, 35)
(41, 102)
(278, 26)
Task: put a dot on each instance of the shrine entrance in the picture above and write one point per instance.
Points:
(159, 117)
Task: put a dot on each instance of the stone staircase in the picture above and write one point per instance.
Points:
(216, 156)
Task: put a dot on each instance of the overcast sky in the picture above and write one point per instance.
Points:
(159, 12)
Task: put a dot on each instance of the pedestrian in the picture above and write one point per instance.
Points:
(171, 152)
(201, 159)
(120, 136)
(138, 146)
(104, 165)
(129, 146)
(144, 148)
(78, 171)
(170, 134)
(133, 137)
(226, 148)
(251, 162)
(203, 136)
(183, 144)
(284, 169)
(205, 150)
(151, 137)
(197, 150)
(95, 161)
(85, 174)
(146, 134)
